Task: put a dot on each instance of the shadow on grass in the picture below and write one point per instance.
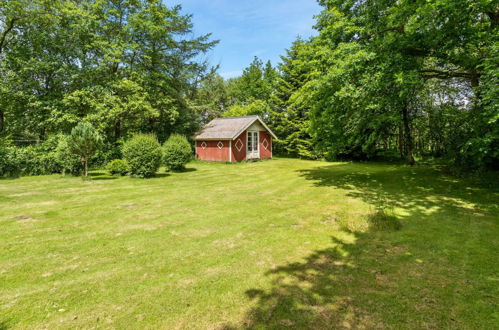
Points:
(100, 176)
(97, 173)
(185, 170)
(159, 175)
(312, 294)
(409, 188)
(8, 178)
(428, 273)
(103, 178)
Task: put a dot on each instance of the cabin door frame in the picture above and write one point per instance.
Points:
(253, 145)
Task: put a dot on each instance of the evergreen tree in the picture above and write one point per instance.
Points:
(250, 93)
(289, 117)
(84, 141)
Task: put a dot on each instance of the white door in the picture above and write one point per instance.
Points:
(252, 150)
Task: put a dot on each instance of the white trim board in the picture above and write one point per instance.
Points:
(230, 151)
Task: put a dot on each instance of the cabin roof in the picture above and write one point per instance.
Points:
(229, 128)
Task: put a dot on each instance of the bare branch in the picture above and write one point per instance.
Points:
(10, 27)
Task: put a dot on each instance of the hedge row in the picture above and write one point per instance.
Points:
(143, 155)
(53, 156)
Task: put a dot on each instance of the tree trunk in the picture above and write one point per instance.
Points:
(117, 130)
(401, 141)
(3, 37)
(41, 136)
(86, 167)
(475, 83)
(408, 144)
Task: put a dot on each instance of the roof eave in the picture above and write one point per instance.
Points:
(212, 139)
(251, 123)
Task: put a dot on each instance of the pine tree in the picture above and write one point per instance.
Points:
(289, 117)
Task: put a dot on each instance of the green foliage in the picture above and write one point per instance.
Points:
(289, 117)
(381, 77)
(254, 84)
(399, 76)
(256, 107)
(211, 98)
(250, 93)
(118, 166)
(84, 141)
(177, 152)
(124, 66)
(143, 154)
(31, 160)
(8, 162)
(69, 161)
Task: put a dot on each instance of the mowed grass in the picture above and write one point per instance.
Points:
(274, 244)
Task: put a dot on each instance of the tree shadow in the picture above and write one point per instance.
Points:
(97, 173)
(407, 269)
(405, 187)
(104, 178)
(313, 294)
(185, 170)
(9, 178)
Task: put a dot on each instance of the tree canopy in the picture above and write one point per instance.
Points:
(124, 66)
(414, 73)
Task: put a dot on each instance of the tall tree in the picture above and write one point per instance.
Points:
(250, 93)
(375, 59)
(210, 99)
(289, 117)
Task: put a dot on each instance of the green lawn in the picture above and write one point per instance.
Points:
(273, 244)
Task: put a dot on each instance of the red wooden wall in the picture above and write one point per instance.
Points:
(265, 141)
(212, 152)
(239, 149)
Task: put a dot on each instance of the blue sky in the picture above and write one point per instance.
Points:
(248, 28)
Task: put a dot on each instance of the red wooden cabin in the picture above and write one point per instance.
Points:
(234, 139)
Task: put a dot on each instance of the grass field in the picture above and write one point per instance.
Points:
(273, 244)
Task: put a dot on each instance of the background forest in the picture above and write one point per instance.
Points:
(382, 79)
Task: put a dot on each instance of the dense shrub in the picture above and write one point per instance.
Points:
(107, 153)
(50, 144)
(49, 163)
(118, 166)
(8, 165)
(35, 161)
(143, 154)
(31, 160)
(51, 156)
(68, 161)
(177, 152)
(27, 160)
